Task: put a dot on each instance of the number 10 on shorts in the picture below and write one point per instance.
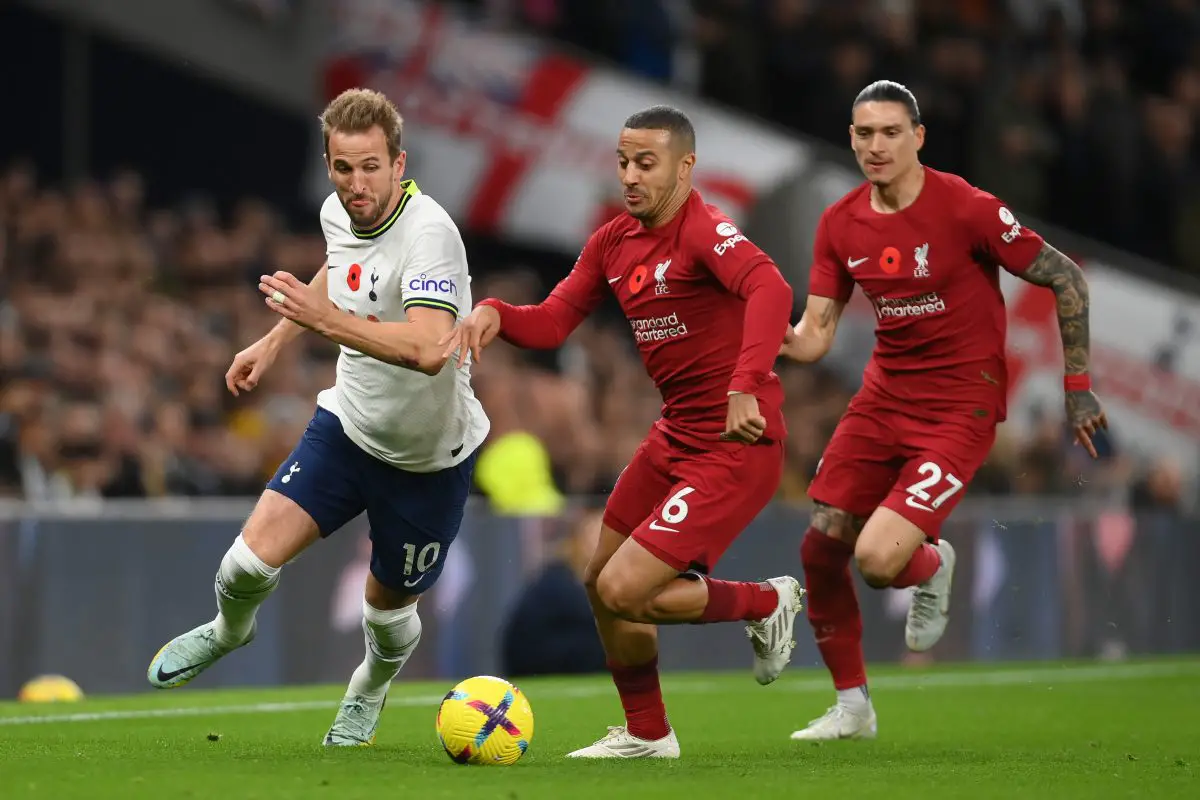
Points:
(421, 561)
(919, 495)
(674, 511)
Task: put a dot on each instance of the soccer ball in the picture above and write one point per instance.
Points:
(485, 720)
(50, 689)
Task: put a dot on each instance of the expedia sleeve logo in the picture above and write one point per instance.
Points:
(732, 237)
(1014, 230)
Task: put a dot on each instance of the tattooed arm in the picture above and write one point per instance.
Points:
(1063, 276)
(812, 337)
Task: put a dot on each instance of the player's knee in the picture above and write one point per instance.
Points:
(279, 529)
(836, 524)
(620, 595)
(877, 567)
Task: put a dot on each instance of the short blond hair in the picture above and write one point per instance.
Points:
(359, 110)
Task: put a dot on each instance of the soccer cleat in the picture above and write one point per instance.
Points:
(620, 743)
(355, 723)
(930, 609)
(189, 654)
(840, 722)
(773, 637)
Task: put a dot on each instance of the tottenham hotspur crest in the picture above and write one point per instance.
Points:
(921, 254)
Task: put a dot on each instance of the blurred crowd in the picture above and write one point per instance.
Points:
(1078, 112)
(118, 321)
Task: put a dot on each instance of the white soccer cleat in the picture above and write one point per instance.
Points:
(773, 637)
(620, 743)
(930, 609)
(840, 722)
(355, 723)
(187, 655)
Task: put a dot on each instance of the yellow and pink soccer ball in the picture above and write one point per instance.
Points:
(485, 720)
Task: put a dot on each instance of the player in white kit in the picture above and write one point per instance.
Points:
(396, 436)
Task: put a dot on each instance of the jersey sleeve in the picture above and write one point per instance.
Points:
(995, 230)
(828, 277)
(547, 325)
(435, 270)
(584, 287)
(725, 251)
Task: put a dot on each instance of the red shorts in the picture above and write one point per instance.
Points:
(881, 456)
(685, 505)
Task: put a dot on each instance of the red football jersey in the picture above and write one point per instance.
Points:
(932, 273)
(680, 288)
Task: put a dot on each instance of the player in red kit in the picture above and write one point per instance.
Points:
(926, 248)
(708, 311)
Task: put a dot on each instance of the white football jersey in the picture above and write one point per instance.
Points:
(415, 258)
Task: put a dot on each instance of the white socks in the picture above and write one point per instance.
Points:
(856, 699)
(391, 637)
(243, 582)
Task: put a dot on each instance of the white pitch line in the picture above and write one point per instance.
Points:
(1048, 676)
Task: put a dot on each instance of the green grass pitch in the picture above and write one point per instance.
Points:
(1055, 731)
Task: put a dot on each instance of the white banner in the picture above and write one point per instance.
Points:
(518, 139)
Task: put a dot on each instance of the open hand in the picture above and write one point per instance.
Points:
(472, 335)
(1086, 417)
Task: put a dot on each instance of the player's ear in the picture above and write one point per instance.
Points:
(686, 164)
(920, 134)
(399, 163)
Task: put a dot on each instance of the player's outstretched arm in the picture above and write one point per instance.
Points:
(544, 326)
(250, 364)
(412, 344)
(1063, 276)
(812, 337)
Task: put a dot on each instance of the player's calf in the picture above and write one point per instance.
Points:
(243, 581)
(391, 636)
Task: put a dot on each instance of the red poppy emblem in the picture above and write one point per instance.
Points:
(889, 262)
(638, 279)
(354, 277)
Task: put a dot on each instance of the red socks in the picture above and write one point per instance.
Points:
(920, 568)
(833, 607)
(641, 695)
(730, 601)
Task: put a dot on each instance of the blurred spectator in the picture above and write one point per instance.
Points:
(1081, 112)
(550, 630)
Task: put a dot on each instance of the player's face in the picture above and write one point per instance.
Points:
(885, 141)
(652, 171)
(365, 177)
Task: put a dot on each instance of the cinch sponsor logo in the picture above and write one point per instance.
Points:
(915, 306)
(657, 329)
(424, 283)
(728, 244)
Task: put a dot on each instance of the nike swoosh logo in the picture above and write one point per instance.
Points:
(334, 266)
(654, 526)
(166, 676)
(614, 280)
(457, 450)
(914, 503)
(851, 264)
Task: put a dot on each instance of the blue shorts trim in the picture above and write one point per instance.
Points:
(414, 516)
